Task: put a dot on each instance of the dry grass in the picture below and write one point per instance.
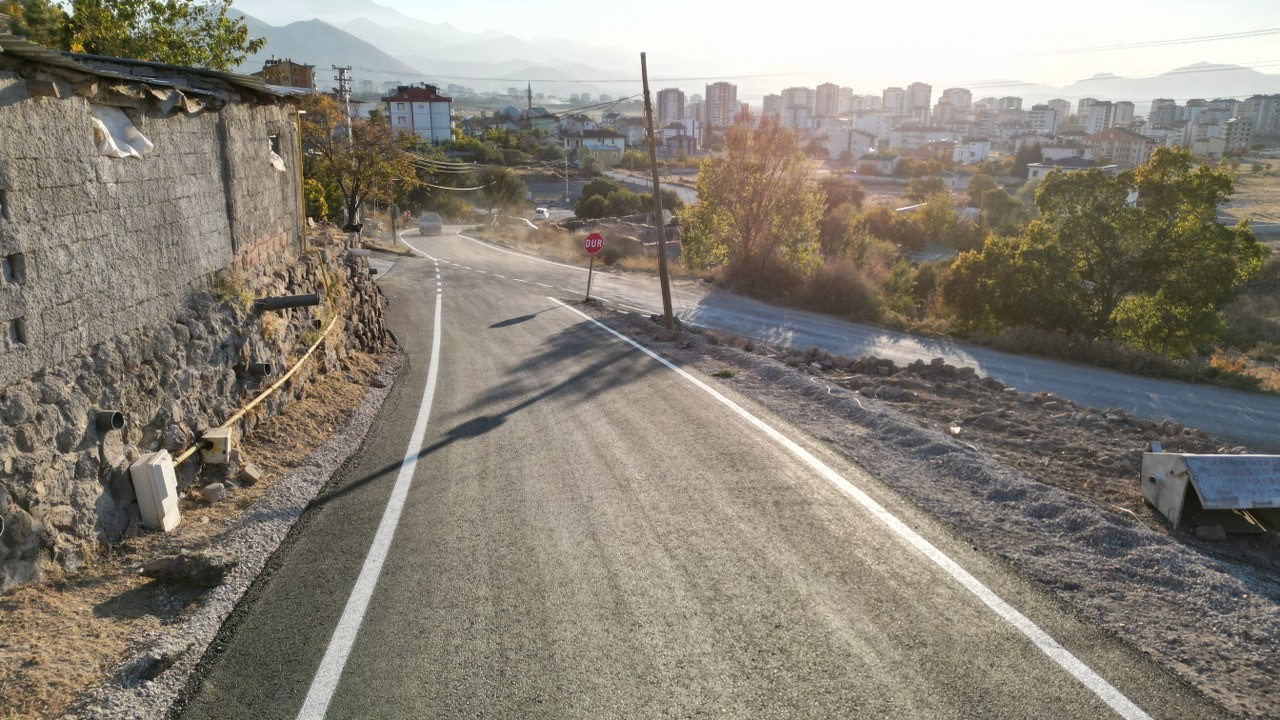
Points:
(1257, 196)
(69, 634)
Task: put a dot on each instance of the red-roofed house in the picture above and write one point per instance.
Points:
(421, 110)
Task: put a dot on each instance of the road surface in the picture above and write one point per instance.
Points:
(548, 522)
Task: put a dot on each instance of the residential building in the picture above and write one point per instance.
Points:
(844, 100)
(1008, 103)
(894, 100)
(1043, 119)
(919, 96)
(597, 139)
(1065, 149)
(721, 104)
(1264, 111)
(944, 112)
(1238, 134)
(1125, 148)
(864, 103)
(288, 73)
(576, 124)
(959, 98)
(1062, 107)
(1123, 113)
(422, 110)
(679, 138)
(914, 137)
(670, 106)
(1036, 171)
(1102, 115)
(799, 117)
(971, 152)
(877, 124)
(772, 107)
(1210, 148)
(794, 97)
(877, 164)
(1163, 113)
(826, 100)
(847, 142)
(1082, 108)
(1192, 110)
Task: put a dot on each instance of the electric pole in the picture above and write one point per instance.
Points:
(344, 95)
(664, 277)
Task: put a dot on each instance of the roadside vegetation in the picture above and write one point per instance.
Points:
(1130, 271)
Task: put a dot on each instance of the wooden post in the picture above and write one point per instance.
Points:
(664, 277)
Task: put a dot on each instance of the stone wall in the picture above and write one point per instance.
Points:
(127, 285)
(95, 246)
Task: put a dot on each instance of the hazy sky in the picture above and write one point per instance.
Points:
(870, 45)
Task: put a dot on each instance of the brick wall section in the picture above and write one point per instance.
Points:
(113, 244)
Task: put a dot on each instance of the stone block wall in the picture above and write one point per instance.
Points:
(125, 285)
(107, 245)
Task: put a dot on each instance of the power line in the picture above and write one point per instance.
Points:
(1159, 43)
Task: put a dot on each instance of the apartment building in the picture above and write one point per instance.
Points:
(894, 100)
(959, 98)
(1126, 148)
(421, 110)
(1043, 119)
(826, 101)
(670, 106)
(721, 104)
(1264, 111)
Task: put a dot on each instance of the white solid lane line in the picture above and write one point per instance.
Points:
(344, 636)
(1123, 706)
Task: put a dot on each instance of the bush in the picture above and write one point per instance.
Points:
(839, 288)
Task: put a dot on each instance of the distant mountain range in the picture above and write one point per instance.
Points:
(381, 44)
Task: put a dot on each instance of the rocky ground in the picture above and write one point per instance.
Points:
(1049, 486)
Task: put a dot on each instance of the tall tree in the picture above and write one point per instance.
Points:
(180, 32)
(758, 209)
(500, 188)
(374, 155)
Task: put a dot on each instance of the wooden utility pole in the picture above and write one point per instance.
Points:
(664, 277)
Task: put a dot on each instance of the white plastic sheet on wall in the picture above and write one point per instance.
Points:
(116, 135)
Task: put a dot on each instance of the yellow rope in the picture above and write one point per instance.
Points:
(266, 393)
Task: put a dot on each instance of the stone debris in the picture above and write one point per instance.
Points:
(214, 492)
(201, 568)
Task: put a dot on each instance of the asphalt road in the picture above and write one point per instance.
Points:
(578, 530)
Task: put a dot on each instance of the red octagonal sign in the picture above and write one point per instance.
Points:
(594, 242)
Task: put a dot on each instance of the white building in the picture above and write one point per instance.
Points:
(1043, 119)
(960, 98)
(722, 104)
(848, 140)
(826, 101)
(422, 111)
(971, 152)
(1102, 115)
(894, 100)
(1063, 107)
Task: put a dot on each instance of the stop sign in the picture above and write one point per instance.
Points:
(594, 242)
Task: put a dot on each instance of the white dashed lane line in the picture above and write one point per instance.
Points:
(544, 285)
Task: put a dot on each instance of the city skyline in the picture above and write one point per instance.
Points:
(877, 47)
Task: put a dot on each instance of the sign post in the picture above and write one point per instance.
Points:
(593, 245)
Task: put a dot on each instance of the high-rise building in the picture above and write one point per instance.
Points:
(959, 98)
(721, 104)
(1008, 103)
(670, 106)
(1124, 113)
(1102, 115)
(827, 100)
(1043, 119)
(1164, 112)
(1062, 107)
(797, 97)
(772, 107)
(919, 96)
(894, 100)
(844, 100)
(1082, 108)
(1264, 111)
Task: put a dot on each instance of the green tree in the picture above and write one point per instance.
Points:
(1025, 155)
(842, 191)
(43, 22)
(979, 184)
(1002, 213)
(500, 189)
(373, 156)
(923, 187)
(759, 207)
(1150, 273)
(179, 32)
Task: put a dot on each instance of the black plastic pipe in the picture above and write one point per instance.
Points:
(108, 420)
(284, 302)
